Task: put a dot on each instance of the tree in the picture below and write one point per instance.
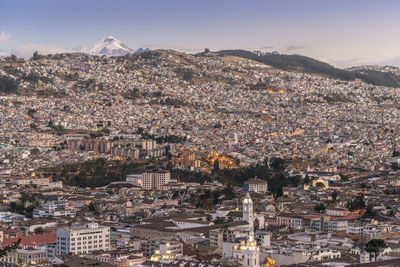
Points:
(5, 250)
(35, 55)
(369, 212)
(306, 179)
(93, 209)
(320, 207)
(343, 177)
(38, 231)
(356, 203)
(391, 213)
(320, 185)
(395, 166)
(206, 50)
(188, 75)
(374, 245)
(8, 84)
(35, 151)
(219, 220)
(334, 195)
(216, 165)
(278, 164)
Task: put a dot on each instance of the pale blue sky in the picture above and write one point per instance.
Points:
(341, 32)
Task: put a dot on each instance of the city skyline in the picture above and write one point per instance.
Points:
(340, 33)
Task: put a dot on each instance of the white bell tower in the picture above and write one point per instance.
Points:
(248, 214)
(251, 255)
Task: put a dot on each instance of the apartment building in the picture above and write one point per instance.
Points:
(155, 180)
(256, 185)
(82, 240)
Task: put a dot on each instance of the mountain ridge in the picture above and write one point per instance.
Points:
(309, 65)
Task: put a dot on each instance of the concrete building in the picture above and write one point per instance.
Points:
(135, 179)
(163, 248)
(256, 185)
(155, 180)
(81, 240)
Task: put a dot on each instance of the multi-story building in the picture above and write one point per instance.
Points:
(135, 179)
(98, 145)
(256, 185)
(289, 220)
(155, 180)
(81, 240)
(125, 152)
(328, 224)
(162, 247)
(149, 145)
(55, 208)
(33, 180)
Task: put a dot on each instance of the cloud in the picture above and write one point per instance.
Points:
(390, 62)
(26, 51)
(4, 36)
(267, 47)
(355, 61)
(181, 48)
(295, 47)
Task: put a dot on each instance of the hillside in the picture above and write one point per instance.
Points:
(309, 65)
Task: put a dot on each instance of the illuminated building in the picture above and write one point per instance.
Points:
(248, 214)
(247, 252)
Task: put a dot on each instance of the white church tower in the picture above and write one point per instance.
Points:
(248, 214)
(251, 254)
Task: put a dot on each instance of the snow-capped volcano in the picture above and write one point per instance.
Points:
(110, 46)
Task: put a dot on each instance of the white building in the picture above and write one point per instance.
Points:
(256, 185)
(155, 180)
(149, 145)
(248, 214)
(247, 253)
(135, 179)
(82, 240)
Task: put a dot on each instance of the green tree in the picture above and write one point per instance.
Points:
(356, 203)
(93, 209)
(319, 207)
(369, 212)
(216, 165)
(35, 55)
(343, 177)
(5, 250)
(334, 195)
(278, 164)
(188, 75)
(38, 231)
(219, 220)
(8, 84)
(374, 245)
(395, 166)
(306, 179)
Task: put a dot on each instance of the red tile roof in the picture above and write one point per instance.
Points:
(32, 240)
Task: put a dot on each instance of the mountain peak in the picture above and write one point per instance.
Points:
(110, 46)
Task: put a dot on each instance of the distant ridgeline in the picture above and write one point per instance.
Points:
(309, 65)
